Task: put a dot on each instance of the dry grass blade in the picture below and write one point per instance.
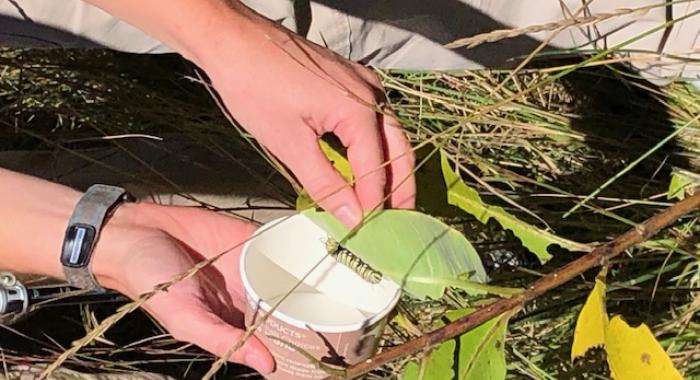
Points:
(632, 165)
(502, 34)
(541, 46)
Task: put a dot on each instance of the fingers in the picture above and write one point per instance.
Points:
(401, 179)
(206, 330)
(362, 137)
(380, 139)
(323, 183)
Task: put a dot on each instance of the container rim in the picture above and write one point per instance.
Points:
(262, 305)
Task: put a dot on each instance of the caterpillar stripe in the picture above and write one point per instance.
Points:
(347, 258)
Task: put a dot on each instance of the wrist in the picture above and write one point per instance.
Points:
(129, 224)
(38, 211)
(238, 29)
(212, 34)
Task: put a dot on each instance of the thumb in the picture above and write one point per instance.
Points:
(212, 334)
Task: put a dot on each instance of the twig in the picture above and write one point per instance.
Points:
(566, 273)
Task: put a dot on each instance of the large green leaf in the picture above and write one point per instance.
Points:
(437, 365)
(481, 354)
(533, 238)
(416, 250)
(481, 351)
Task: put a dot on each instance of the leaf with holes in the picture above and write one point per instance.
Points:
(468, 199)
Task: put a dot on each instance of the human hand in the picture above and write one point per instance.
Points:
(287, 92)
(205, 309)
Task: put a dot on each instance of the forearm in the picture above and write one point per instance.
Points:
(197, 29)
(35, 215)
(34, 218)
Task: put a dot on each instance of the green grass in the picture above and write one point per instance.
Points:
(544, 152)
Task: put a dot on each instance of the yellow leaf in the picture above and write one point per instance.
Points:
(592, 321)
(634, 353)
(340, 163)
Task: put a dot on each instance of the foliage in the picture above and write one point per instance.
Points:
(635, 354)
(480, 354)
(632, 353)
(681, 183)
(591, 322)
(466, 198)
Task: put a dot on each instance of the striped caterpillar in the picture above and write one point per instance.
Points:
(347, 258)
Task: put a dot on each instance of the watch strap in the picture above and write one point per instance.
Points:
(93, 209)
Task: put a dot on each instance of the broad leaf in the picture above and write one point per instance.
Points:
(468, 199)
(437, 365)
(481, 351)
(592, 322)
(416, 250)
(481, 354)
(340, 164)
(632, 353)
(635, 354)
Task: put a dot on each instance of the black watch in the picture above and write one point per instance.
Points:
(89, 216)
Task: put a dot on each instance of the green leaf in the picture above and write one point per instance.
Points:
(533, 238)
(340, 163)
(481, 354)
(416, 250)
(437, 365)
(680, 183)
(481, 351)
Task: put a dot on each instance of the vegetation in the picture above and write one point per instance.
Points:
(575, 161)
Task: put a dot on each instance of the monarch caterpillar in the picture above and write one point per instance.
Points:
(347, 258)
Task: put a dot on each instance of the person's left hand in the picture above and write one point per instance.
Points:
(206, 309)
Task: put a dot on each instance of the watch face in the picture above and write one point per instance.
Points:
(78, 245)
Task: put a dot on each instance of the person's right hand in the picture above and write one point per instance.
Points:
(145, 245)
(287, 92)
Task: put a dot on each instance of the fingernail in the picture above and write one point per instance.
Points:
(349, 215)
(259, 363)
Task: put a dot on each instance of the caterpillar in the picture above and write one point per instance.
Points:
(347, 258)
